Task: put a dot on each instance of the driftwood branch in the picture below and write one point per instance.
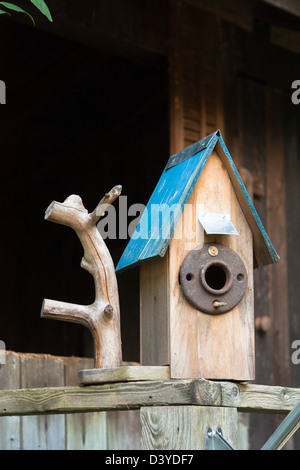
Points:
(103, 316)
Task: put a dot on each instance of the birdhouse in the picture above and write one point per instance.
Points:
(197, 243)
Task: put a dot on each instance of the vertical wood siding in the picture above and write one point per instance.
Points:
(80, 431)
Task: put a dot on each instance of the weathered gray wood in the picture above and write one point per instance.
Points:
(117, 430)
(184, 427)
(134, 395)
(154, 324)
(123, 430)
(10, 437)
(123, 374)
(84, 431)
(42, 432)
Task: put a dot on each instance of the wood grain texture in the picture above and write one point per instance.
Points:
(135, 395)
(74, 431)
(123, 430)
(102, 317)
(42, 432)
(10, 427)
(276, 219)
(211, 346)
(84, 431)
(184, 427)
(154, 316)
(123, 374)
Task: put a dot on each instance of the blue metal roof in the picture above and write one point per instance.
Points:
(154, 232)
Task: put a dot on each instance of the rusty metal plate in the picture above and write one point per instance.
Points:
(213, 278)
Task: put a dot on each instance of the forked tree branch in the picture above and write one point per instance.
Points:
(103, 316)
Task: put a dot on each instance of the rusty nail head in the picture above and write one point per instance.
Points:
(213, 251)
(218, 304)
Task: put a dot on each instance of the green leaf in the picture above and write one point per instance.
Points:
(41, 5)
(2, 12)
(12, 6)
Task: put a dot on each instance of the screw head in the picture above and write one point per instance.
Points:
(213, 251)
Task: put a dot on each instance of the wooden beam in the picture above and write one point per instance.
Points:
(291, 6)
(134, 395)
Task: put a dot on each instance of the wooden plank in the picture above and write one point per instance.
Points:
(277, 226)
(124, 396)
(191, 135)
(292, 172)
(184, 427)
(154, 323)
(192, 124)
(191, 112)
(175, 79)
(123, 430)
(252, 155)
(123, 374)
(276, 221)
(228, 353)
(42, 432)
(231, 100)
(53, 370)
(84, 431)
(10, 427)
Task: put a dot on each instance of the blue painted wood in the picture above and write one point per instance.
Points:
(162, 213)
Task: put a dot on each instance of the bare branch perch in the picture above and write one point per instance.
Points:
(103, 316)
(108, 199)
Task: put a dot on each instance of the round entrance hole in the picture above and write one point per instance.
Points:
(216, 277)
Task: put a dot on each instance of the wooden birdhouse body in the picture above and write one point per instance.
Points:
(196, 296)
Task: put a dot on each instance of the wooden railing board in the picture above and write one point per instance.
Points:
(135, 395)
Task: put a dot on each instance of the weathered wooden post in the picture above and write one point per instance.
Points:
(197, 244)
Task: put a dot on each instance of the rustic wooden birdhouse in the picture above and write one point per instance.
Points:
(197, 244)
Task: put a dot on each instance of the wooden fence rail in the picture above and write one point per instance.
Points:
(135, 395)
(42, 407)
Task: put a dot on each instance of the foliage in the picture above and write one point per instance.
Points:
(39, 4)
